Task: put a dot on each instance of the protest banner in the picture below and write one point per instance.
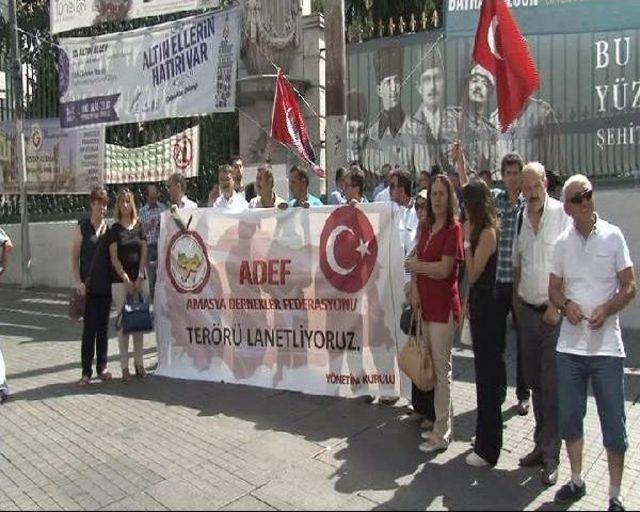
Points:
(69, 14)
(178, 69)
(154, 162)
(302, 299)
(58, 161)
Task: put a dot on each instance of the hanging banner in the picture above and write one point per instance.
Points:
(302, 299)
(58, 161)
(177, 69)
(154, 162)
(69, 14)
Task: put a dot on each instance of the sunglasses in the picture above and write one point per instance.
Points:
(581, 196)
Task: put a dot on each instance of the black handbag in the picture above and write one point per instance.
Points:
(135, 316)
(407, 320)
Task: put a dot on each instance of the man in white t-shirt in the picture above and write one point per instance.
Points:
(591, 281)
(177, 185)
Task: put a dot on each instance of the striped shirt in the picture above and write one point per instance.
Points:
(508, 215)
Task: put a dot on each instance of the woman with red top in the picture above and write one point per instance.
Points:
(439, 254)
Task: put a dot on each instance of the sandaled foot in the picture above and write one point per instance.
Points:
(105, 375)
(126, 375)
(141, 373)
(84, 380)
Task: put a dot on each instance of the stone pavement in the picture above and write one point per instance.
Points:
(171, 444)
(168, 444)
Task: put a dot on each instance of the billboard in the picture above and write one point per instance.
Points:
(410, 97)
(177, 69)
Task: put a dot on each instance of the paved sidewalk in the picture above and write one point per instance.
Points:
(163, 444)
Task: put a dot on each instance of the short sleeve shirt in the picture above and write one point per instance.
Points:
(439, 297)
(129, 243)
(589, 269)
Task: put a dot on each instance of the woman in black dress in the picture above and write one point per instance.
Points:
(128, 251)
(481, 238)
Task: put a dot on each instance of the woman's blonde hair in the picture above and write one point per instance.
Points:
(134, 211)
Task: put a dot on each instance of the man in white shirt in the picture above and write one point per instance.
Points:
(229, 198)
(591, 281)
(381, 193)
(338, 196)
(266, 198)
(177, 191)
(7, 247)
(537, 229)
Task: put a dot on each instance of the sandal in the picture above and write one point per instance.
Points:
(84, 380)
(105, 375)
(126, 375)
(141, 373)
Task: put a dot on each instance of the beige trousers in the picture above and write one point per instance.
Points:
(439, 338)
(118, 295)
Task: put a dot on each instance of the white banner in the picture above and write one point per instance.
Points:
(58, 161)
(154, 162)
(177, 69)
(302, 299)
(69, 14)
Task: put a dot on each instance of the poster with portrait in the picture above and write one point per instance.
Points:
(409, 100)
(58, 161)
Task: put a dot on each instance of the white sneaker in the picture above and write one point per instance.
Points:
(473, 459)
(432, 447)
(427, 435)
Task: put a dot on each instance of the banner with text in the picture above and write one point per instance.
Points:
(154, 162)
(58, 161)
(69, 14)
(302, 299)
(177, 69)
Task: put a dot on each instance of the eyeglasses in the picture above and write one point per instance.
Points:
(581, 196)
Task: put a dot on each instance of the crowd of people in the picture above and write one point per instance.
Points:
(472, 253)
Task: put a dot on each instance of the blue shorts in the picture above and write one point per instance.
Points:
(607, 379)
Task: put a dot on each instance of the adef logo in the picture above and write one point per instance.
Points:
(348, 249)
(187, 262)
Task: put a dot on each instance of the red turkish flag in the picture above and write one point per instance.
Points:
(503, 52)
(287, 123)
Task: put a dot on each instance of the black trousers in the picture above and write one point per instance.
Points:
(504, 300)
(422, 402)
(488, 350)
(95, 339)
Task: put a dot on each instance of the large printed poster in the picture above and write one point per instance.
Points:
(69, 14)
(411, 97)
(305, 299)
(177, 69)
(156, 161)
(58, 161)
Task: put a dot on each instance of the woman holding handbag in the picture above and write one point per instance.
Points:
(438, 257)
(92, 275)
(128, 252)
(481, 240)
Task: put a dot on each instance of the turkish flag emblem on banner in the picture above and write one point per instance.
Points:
(287, 123)
(503, 52)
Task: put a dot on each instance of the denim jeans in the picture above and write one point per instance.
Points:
(607, 379)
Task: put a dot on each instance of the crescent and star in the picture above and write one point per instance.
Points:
(363, 249)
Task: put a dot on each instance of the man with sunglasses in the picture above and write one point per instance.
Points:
(592, 280)
(543, 221)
